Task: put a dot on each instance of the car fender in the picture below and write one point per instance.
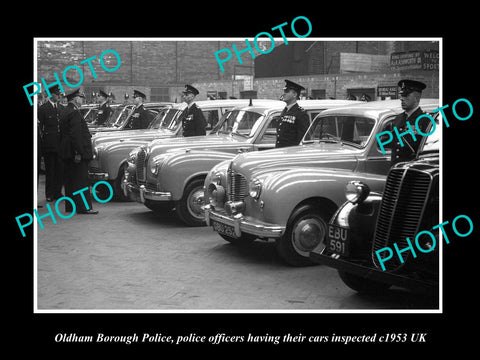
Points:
(284, 191)
(181, 167)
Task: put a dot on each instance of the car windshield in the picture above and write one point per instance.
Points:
(351, 130)
(432, 143)
(172, 119)
(158, 119)
(123, 116)
(239, 122)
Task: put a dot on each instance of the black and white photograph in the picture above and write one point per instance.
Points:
(235, 212)
(273, 186)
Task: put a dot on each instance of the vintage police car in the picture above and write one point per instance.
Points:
(370, 221)
(171, 172)
(110, 150)
(290, 194)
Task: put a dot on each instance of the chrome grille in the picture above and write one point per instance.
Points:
(140, 165)
(236, 186)
(404, 199)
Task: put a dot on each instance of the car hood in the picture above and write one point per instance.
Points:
(317, 156)
(214, 142)
(132, 135)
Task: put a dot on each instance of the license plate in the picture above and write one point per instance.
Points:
(338, 240)
(224, 229)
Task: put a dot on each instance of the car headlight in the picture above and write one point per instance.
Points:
(132, 156)
(154, 167)
(215, 195)
(255, 188)
(216, 177)
(356, 191)
(96, 151)
(156, 163)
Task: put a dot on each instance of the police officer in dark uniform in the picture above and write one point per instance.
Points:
(410, 93)
(141, 118)
(49, 127)
(76, 151)
(294, 120)
(193, 121)
(104, 111)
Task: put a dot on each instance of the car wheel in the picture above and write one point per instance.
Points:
(103, 192)
(243, 240)
(362, 285)
(306, 230)
(190, 207)
(117, 185)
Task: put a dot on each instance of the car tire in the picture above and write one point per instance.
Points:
(189, 206)
(244, 240)
(117, 185)
(295, 245)
(362, 285)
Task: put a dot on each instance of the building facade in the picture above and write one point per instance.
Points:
(160, 68)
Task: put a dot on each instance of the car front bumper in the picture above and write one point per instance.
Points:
(97, 176)
(141, 193)
(244, 224)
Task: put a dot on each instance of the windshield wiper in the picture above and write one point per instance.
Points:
(340, 141)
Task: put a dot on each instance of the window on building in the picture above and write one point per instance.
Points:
(362, 94)
(318, 94)
(159, 94)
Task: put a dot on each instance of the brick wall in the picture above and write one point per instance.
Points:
(338, 85)
(152, 63)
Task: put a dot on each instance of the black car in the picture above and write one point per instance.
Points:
(368, 223)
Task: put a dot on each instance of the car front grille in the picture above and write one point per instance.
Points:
(140, 166)
(403, 203)
(236, 186)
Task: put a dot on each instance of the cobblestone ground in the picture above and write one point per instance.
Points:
(129, 258)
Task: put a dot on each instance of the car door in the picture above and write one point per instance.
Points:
(268, 134)
(375, 161)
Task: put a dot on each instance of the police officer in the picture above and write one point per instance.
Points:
(49, 127)
(294, 120)
(410, 93)
(104, 111)
(76, 151)
(193, 121)
(141, 118)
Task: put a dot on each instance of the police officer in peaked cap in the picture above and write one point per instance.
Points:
(294, 120)
(193, 121)
(410, 92)
(49, 129)
(76, 151)
(104, 111)
(141, 118)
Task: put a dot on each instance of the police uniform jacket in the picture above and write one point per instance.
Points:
(409, 149)
(75, 138)
(49, 126)
(103, 113)
(291, 127)
(193, 122)
(140, 118)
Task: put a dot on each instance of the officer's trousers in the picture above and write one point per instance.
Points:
(76, 178)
